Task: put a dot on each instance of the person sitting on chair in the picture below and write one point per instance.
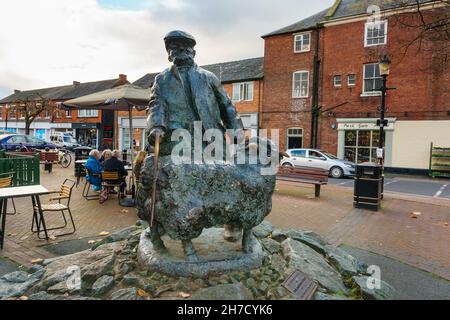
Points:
(95, 169)
(106, 155)
(115, 165)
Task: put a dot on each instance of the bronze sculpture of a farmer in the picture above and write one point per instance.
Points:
(187, 198)
(186, 93)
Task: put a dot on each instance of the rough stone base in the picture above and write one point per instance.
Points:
(217, 256)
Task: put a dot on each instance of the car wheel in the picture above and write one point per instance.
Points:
(337, 173)
(287, 164)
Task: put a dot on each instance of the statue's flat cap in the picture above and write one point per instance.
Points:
(179, 35)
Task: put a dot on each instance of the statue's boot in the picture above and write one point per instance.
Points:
(232, 233)
(158, 244)
(247, 239)
(189, 251)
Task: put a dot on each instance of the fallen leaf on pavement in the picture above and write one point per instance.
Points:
(416, 215)
(103, 234)
(183, 295)
(92, 241)
(52, 237)
(124, 211)
(446, 224)
(142, 293)
(12, 234)
(37, 261)
(23, 298)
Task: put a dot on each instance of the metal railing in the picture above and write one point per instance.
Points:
(24, 169)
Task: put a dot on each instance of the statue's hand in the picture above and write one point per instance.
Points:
(154, 133)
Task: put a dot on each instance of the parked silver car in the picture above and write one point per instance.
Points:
(319, 159)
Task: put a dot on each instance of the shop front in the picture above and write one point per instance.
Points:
(358, 140)
(139, 133)
(62, 128)
(86, 134)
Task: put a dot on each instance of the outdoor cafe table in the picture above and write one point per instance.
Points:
(21, 192)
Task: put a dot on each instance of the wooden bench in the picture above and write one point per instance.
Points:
(317, 177)
(50, 156)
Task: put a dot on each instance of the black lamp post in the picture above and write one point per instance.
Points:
(385, 64)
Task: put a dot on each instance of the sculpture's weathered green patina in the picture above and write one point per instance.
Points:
(193, 196)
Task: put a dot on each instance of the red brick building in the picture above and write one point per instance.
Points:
(330, 61)
(89, 127)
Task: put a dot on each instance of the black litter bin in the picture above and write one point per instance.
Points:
(81, 153)
(368, 186)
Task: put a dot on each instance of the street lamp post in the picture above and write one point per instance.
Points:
(385, 64)
(384, 72)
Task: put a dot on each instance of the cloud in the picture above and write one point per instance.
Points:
(54, 42)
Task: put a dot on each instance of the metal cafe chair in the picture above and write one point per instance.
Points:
(87, 187)
(6, 182)
(64, 194)
(112, 180)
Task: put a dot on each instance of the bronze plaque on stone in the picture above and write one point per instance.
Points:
(300, 285)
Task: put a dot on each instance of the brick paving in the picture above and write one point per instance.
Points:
(421, 242)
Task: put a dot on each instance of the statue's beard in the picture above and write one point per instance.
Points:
(182, 59)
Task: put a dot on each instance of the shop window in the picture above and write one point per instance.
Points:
(361, 145)
(138, 139)
(294, 138)
(39, 133)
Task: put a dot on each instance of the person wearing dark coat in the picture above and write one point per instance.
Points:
(115, 165)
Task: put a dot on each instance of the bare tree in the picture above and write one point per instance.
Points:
(30, 109)
(427, 29)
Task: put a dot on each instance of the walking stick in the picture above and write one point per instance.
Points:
(155, 177)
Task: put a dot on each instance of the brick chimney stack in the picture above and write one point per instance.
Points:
(76, 83)
(123, 77)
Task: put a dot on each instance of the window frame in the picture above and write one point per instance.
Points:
(242, 91)
(293, 85)
(374, 92)
(300, 135)
(298, 35)
(354, 80)
(366, 33)
(340, 81)
(83, 113)
(68, 113)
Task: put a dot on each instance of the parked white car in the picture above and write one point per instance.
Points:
(319, 159)
(64, 140)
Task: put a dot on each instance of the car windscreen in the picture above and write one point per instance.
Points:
(69, 139)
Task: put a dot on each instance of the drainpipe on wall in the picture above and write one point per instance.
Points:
(315, 113)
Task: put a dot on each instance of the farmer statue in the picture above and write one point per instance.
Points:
(183, 96)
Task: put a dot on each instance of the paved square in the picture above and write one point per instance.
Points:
(422, 242)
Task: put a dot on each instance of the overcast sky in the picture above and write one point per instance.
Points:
(54, 42)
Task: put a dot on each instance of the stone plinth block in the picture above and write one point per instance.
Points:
(216, 256)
